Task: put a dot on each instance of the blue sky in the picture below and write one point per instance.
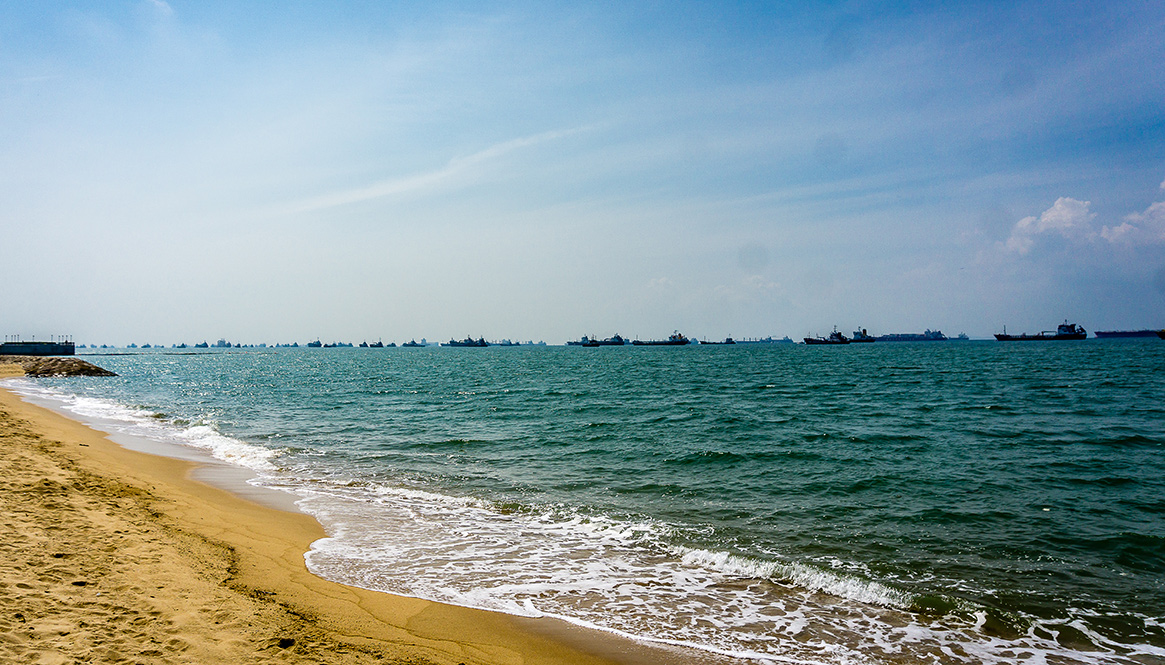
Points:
(276, 172)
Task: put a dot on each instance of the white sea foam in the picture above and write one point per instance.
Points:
(625, 577)
(118, 418)
(808, 577)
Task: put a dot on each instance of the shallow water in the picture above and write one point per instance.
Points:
(949, 501)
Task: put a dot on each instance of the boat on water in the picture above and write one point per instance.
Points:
(315, 345)
(834, 338)
(412, 344)
(1161, 333)
(862, 336)
(617, 340)
(1064, 331)
(765, 340)
(928, 336)
(1107, 334)
(468, 341)
(727, 340)
(675, 339)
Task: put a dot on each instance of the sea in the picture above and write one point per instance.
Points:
(927, 502)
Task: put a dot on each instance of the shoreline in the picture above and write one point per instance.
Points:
(225, 575)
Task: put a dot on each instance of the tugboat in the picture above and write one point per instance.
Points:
(834, 338)
(863, 336)
(675, 339)
(1064, 331)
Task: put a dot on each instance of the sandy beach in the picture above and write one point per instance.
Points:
(110, 555)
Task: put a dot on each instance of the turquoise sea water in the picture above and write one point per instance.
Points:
(914, 502)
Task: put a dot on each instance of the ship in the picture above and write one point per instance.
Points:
(1104, 334)
(617, 340)
(1161, 333)
(411, 344)
(863, 336)
(468, 341)
(928, 336)
(1064, 331)
(675, 339)
(766, 340)
(834, 338)
(727, 340)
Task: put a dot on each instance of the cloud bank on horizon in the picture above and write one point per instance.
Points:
(178, 171)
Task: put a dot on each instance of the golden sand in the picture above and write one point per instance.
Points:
(109, 555)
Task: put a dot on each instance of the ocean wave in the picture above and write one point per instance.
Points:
(148, 423)
(802, 575)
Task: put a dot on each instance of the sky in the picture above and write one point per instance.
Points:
(175, 171)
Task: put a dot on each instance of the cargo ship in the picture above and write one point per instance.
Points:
(1104, 334)
(675, 339)
(1064, 331)
(862, 335)
(834, 338)
(617, 340)
(468, 341)
(928, 336)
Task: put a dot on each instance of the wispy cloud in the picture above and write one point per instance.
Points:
(445, 176)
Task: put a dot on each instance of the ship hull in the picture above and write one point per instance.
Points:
(1041, 337)
(1105, 334)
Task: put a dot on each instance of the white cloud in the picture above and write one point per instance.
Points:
(1067, 217)
(1139, 228)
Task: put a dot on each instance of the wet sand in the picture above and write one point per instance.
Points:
(111, 555)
